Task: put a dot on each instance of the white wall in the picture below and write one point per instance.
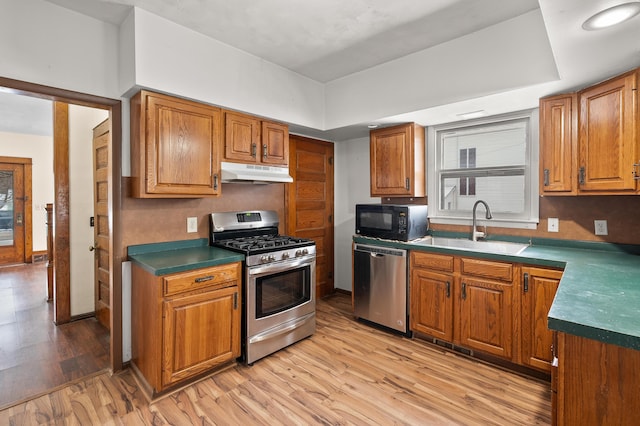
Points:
(44, 43)
(82, 120)
(352, 177)
(40, 150)
(509, 55)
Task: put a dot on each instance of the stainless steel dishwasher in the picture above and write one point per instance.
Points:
(380, 286)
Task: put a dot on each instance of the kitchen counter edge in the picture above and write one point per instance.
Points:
(179, 256)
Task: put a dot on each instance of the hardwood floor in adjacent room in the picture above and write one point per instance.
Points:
(35, 355)
(346, 373)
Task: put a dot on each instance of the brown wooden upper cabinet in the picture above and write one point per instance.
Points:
(174, 147)
(558, 144)
(251, 140)
(397, 161)
(598, 154)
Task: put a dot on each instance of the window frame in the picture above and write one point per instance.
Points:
(530, 218)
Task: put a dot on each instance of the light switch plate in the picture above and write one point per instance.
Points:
(553, 224)
(601, 227)
(192, 224)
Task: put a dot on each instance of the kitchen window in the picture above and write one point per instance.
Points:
(492, 159)
(467, 161)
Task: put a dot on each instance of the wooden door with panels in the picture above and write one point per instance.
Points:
(101, 228)
(309, 203)
(15, 210)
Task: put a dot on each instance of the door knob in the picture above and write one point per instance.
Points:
(93, 247)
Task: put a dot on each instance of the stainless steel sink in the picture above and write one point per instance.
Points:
(500, 247)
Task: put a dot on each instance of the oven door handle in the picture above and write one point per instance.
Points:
(279, 266)
(270, 334)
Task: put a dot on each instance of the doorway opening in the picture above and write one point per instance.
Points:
(62, 295)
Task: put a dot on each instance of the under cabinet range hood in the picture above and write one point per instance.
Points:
(253, 173)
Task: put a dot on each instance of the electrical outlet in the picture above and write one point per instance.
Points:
(192, 224)
(601, 227)
(553, 224)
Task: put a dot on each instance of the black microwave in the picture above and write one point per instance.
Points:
(392, 221)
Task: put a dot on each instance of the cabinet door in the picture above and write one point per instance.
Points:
(393, 155)
(538, 290)
(558, 144)
(242, 138)
(174, 147)
(275, 144)
(201, 331)
(432, 304)
(607, 139)
(486, 316)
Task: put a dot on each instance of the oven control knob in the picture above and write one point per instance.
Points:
(264, 259)
(305, 252)
(298, 253)
(285, 255)
(272, 258)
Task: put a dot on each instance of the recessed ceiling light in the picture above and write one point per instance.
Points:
(612, 16)
(472, 114)
(372, 126)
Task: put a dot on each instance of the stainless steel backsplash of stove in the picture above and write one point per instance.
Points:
(279, 277)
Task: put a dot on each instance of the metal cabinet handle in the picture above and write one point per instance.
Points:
(546, 177)
(215, 181)
(264, 151)
(235, 301)
(407, 184)
(203, 279)
(526, 282)
(448, 289)
(464, 291)
(581, 176)
(253, 150)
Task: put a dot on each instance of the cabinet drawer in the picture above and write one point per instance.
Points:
(486, 268)
(440, 262)
(200, 278)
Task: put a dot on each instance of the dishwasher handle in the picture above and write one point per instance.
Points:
(379, 251)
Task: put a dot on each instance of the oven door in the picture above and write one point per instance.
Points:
(279, 293)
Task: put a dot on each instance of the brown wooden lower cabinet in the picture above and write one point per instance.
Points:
(492, 307)
(432, 303)
(539, 286)
(464, 301)
(598, 383)
(486, 316)
(183, 325)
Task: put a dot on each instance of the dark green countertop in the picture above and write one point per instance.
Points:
(599, 293)
(179, 256)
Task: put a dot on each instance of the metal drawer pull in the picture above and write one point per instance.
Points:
(203, 279)
(464, 291)
(526, 282)
(448, 289)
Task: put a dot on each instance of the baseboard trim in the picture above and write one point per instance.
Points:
(39, 256)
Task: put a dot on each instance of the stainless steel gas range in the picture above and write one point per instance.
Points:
(279, 302)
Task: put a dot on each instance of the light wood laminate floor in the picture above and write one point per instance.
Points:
(346, 373)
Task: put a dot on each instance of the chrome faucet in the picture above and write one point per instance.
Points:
(475, 234)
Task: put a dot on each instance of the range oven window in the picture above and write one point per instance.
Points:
(281, 291)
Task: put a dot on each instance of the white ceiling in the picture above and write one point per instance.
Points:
(321, 39)
(329, 39)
